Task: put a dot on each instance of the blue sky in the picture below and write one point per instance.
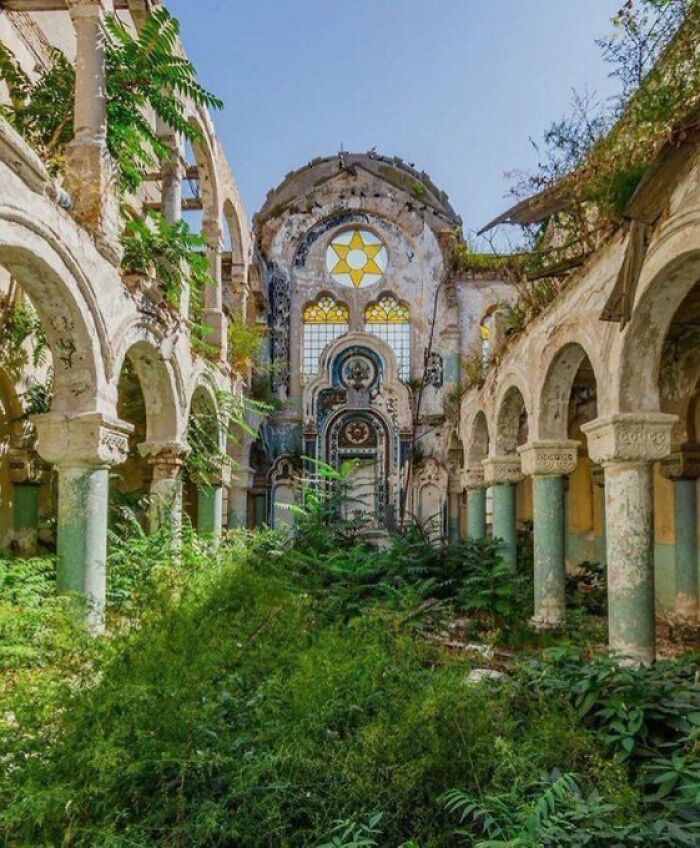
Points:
(456, 86)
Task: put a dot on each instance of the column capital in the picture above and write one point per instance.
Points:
(549, 457)
(90, 439)
(474, 476)
(683, 464)
(167, 458)
(502, 469)
(630, 437)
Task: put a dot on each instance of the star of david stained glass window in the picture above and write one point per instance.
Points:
(356, 258)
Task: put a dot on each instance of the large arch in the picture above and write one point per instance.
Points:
(551, 417)
(511, 417)
(672, 272)
(61, 293)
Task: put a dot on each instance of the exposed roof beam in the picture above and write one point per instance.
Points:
(189, 204)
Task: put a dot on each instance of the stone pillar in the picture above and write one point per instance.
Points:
(240, 291)
(454, 494)
(214, 317)
(598, 480)
(627, 445)
(83, 448)
(683, 467)
(210, 504)
(90, 174)
(238, 498)
(476, 502)
(501, 473)
(165, 508)
(548, 462)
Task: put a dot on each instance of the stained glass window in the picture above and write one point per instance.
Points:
(324, 321)
(356, 258)
(391, 321)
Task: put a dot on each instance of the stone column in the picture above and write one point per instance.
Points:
(210, 505)
(240, 291)
(214, 317)
(90, 174)
(548, 462)
(501, 473)
(238, 498)
(683, 467)
(476, 502)
(598, 480)
(454, 493)
(83, 448)
(25, 473)
(627, 445)
(165, 508)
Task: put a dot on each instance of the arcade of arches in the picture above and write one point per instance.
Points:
(586, 427)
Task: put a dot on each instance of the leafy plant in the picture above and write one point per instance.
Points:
(172, 252)
(145, 73)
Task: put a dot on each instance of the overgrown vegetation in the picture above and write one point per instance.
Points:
(146, 76)
(591, 161)
(305, 688)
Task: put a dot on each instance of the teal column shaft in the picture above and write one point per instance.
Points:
(83, 494)
(550, 568)
(166, 506)
(237, 506)
(210, 501)
(504, 522)
(476, 513)
(453, 516)
(686, 547)
(25, 513)
(629, 500)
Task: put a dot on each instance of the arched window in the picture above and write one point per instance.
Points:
(324, 321)
(391, 321)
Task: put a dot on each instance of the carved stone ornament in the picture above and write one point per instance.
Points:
(474, 477)
(549, 458)
(502, 469)
(89, 439)
(167, 458)
(630, 437)
(24, 466)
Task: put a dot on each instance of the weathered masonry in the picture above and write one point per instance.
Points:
(586, 423)
(110, 338)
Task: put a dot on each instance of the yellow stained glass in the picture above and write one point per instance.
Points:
(326, 310)
(356, 258)
(387, 310)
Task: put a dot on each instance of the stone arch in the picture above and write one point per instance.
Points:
(164, 419)
(670, 273)
(232, 223)
(552, 410)
(61, 293)
(478, 443)
(511, 420)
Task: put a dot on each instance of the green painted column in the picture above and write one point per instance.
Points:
(626, 445)
(238, 505)
(686, 547)
(629, 497)
(83, 495)
(166, 505)
(504, 521)
(210, 503)
(453, 516)
(476, 513)
(25, 516)
(549, 544)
